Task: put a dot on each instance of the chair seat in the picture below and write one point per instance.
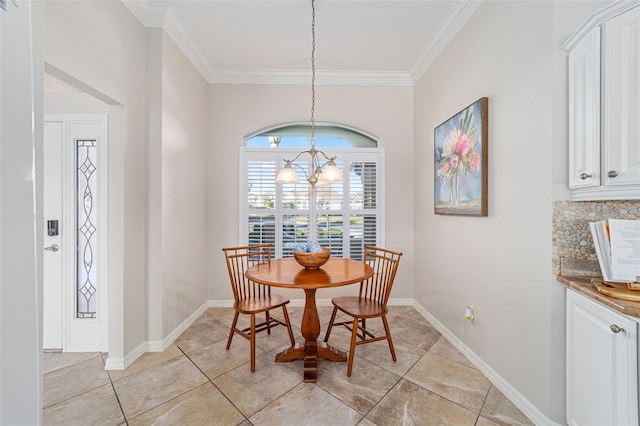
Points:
(254, 305)
(359, 307)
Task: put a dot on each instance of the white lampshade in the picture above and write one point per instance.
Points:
(287, 175)
(322, 182)
(331, 173)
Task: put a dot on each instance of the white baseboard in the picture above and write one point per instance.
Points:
(120, 363)
(113, 363)
(224, 303)
(530, 410)
(158, 345)
(400, 302)
(171, 337)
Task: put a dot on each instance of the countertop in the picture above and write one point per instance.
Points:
(584, 286)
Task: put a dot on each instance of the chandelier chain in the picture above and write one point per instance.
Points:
(320, 172)
(313, 71)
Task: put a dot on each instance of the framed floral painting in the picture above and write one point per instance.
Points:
(461, 162)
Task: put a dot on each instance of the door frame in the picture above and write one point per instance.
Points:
(70, 323)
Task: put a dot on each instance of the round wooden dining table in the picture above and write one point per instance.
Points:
(287, 273)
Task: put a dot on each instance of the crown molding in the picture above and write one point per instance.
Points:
(344, 78)
(597, 19)
(150, 14)
(449, 27)
(175, 29)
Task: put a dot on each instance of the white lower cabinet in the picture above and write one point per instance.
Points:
(601, 363)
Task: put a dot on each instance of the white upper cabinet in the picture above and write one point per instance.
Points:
(604, 105)
(584, 112)
(621, 100)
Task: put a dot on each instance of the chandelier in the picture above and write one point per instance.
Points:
(323, 170)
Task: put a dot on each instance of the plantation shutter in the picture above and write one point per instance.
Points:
(343, 216)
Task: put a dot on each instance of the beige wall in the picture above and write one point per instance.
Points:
(184, 192)
(236, 111)
(176, 106)
(501, 264)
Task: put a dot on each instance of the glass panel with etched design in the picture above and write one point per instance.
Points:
(86, 219)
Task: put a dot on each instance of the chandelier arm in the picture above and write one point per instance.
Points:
(297, 156)
(327, 162)
(314, 160)
(327, 157)
(301, 169)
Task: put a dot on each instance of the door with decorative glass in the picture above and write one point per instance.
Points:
(75, 225)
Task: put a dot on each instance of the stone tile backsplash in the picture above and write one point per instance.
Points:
(572, 242)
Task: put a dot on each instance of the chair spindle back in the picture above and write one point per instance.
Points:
(239, 259)
(385, 264)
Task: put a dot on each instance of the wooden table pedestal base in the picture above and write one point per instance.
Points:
(312, 349)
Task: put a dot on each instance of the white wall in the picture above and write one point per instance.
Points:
(20, 245)
(500, 263)
(236, 111)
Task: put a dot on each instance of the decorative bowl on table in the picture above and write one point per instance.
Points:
(312, 260)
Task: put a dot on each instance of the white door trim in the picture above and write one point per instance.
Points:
(72, 327)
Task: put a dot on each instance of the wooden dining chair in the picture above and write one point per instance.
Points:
(252, 298)
(371, 302)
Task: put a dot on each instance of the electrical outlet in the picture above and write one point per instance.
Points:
(470, 314)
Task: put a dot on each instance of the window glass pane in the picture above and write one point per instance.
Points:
(261, 185)
(296, 195)
(330, 197)
(298, 135)
(297, 142)
(329, 231)
(295, 229)
(362, 230)
(363, 185)
(262, 229)
(87, 220)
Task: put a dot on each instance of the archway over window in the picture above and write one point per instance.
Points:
(296, 135)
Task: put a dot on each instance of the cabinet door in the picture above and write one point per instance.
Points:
(584, 112)
(602, 375)
(621, 100)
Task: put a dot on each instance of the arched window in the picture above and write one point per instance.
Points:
(342, 215)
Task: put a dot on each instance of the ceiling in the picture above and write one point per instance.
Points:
(390, 42)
